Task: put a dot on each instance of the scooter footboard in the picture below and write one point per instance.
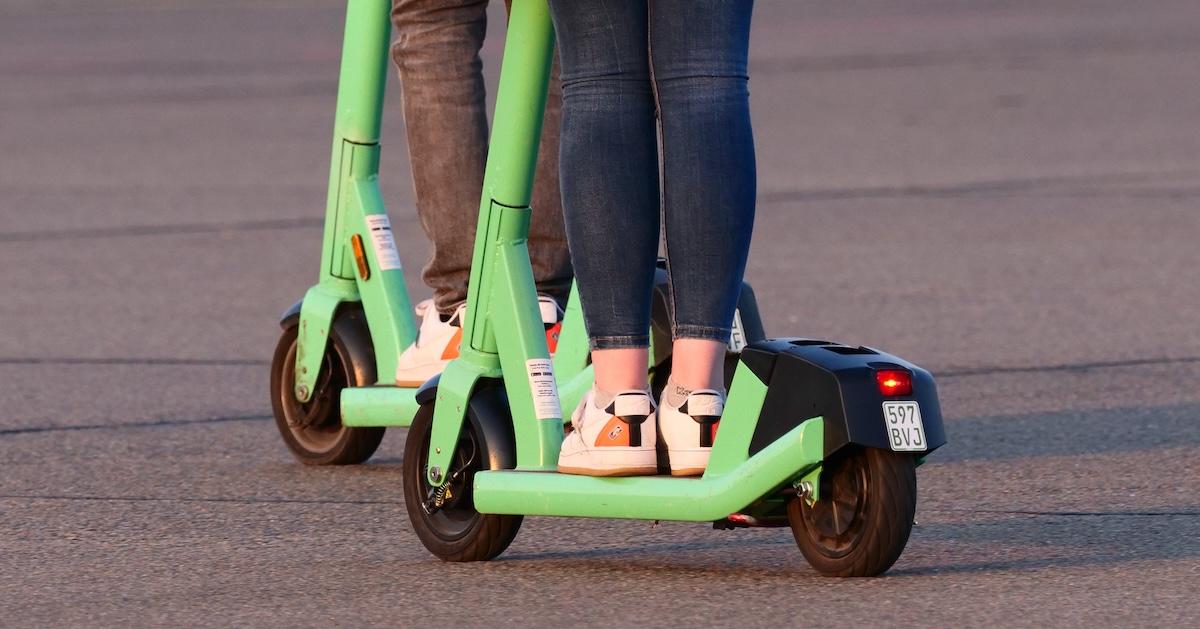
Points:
(710, 498)
(867, 397)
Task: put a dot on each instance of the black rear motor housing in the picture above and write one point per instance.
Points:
(808, 378)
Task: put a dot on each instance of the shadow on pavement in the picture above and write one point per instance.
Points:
(1035, 542)
(1014, 543)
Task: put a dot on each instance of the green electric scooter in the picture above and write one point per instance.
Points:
(819, 436)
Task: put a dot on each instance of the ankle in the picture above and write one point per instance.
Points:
(601, 398)
(676, 393)
(620, 369)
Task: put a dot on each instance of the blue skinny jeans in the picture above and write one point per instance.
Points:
(656, 139)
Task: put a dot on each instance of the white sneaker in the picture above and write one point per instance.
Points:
(438, 341)
(618, 440)
(689, 431)
(552, 316)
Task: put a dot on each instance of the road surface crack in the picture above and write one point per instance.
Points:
(153, 424)
(301, 501)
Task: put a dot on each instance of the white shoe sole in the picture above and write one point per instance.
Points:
(419, 375)
(623, 462)
(688, 462)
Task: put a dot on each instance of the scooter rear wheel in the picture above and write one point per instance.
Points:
(313, 430)
(445, 518)
(862, 522)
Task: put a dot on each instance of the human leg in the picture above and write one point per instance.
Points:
(437, 53)
(609, 166)
(609, 173)
(548, 251)
(698, 52)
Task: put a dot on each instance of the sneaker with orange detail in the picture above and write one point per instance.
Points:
(617, 440)
(437, 343)
(688, 431)
(439, 338)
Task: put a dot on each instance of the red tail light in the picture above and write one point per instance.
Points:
(893, 382)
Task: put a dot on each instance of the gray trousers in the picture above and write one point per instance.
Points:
(437, 52)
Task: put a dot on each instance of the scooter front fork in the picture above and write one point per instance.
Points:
(503, 335)
(360, 262)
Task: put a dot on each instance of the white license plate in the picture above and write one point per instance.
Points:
(906, 433)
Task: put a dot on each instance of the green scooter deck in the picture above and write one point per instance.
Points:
(711, 497)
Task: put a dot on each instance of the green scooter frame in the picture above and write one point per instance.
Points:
(485, 436)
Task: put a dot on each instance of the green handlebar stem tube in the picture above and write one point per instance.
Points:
(359, 116)
(513, 148)
(501, 293)
(353, 197)
(364, 71)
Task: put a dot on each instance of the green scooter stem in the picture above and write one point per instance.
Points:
(501, 294)
(354, 208)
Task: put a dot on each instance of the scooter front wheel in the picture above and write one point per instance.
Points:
(444, 518)
(313, 430)
(861, 523)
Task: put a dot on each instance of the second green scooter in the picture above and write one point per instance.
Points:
(819, 436)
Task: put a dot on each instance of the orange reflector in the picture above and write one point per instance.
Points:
(360, 257)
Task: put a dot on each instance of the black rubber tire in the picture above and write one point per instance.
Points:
(456, 531)
(324, 441)
(863, 520)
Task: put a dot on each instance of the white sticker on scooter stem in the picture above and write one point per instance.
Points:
(544, 389)
(380, 230)
(737, 336)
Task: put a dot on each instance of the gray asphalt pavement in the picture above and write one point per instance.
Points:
(1007, 192)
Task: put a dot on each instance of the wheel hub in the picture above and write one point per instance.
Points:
(454, 488)
(315, 413)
